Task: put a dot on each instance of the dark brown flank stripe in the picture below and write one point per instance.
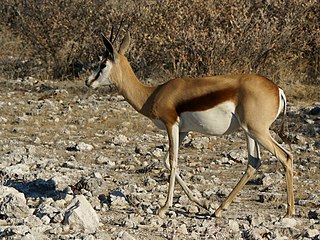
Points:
(206, 101)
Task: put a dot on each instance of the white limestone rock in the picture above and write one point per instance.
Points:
(13, 203)
(81, 215)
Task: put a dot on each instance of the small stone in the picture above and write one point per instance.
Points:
(309, 121)
(89, 237)
(70, 164)
(157, 152)
(154, 220)
(237, 156)
(256, 233)
(95, 184)
(200, 142)
(45, 209)
(312, 233)
(130, 223)
(269, 197)
(20, 229)
(299, 139)
(255, 221)
(103, 235)
(58, 218)
(192, 209)
(123, 235)
(234, 226)
(37, 140)
(84, 147)
(3, 120)
(45, 219)
(183, 229)
(288, 222)
(142, 149)
(184, 200)
(150, 182)
(105, 160)
(32, 221)
(97, 175)
(269, 179)
(119, 140)
(314, 214)
(17, 169)
(118, 199)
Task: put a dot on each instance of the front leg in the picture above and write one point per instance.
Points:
(173, 134)
(202, 203)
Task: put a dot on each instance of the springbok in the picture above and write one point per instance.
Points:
(210, 105)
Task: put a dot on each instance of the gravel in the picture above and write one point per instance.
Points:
(78, 164)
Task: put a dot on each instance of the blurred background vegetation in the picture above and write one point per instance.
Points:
(279, 39)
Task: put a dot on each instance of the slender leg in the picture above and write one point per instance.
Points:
(173, 134)
(253, 164)
(203, 203)
(286, 160)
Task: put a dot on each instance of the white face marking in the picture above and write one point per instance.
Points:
(215, 121)
(100, 76)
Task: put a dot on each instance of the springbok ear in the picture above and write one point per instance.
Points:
(109, 48)
(125, 44)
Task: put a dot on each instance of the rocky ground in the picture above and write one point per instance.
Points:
(82, 164)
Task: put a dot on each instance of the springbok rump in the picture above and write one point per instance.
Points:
(210, 105)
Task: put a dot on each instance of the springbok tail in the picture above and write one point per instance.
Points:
(284, 125)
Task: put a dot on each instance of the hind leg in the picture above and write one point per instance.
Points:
(253, 164)
(286, 160)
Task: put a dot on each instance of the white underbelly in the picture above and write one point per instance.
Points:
(215, 121)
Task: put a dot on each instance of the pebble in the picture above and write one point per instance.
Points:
(81, 146)
(183, 229)
(314, 214)
(287, 222)
(234, 226)
(123, 235)
(117, 198)
(119, 139)
(312, 233)
(17, 169)
(200, 142)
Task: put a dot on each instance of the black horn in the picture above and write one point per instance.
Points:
(118, 31)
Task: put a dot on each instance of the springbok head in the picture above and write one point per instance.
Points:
(110, 58)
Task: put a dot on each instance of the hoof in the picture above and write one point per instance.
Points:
(218, 213)
(162, 212)
(205, 204)
(288, 215)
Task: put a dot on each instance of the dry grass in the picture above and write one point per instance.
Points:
(170, 38)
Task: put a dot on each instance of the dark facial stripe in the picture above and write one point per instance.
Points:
(206, 101)
(101, 67)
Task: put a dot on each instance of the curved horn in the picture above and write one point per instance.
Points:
(125, 44)
(118, 31)
(111, 34)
